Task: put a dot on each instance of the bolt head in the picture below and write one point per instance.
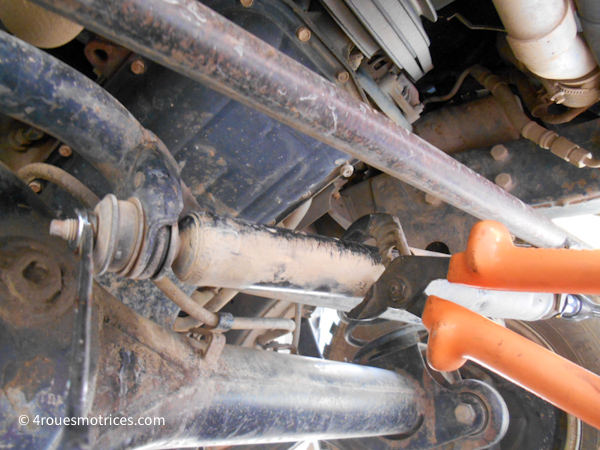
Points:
(505, 181)
(303, 34)
(33, 134)
(138, 66)
(499, 152)
(347, 170)
(432, 200)
(397, 290)
(65, 151)
(246, 3)
(342, 76)
(36, 186)
(465, 414)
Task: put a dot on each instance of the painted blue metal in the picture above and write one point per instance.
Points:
(235, 160)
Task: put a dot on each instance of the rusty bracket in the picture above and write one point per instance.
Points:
(387, 232)
(215, 343)
(467, 414)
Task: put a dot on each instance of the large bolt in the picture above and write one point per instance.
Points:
(65, 151)
(505, 181)
(303, 34)
(66, 229)
(347, 170)
(499, 152)
(138, 66)
(465, 414)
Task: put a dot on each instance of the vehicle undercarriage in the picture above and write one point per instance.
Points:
(246, 219)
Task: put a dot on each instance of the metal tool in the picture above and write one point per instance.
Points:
(490, 261)
(401, 286)
(457, 334)
(578, 307)
(77, 436)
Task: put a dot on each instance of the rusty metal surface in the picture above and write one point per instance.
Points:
(484, 423)
(476, 124)
(422, 222)
(37, 293)
(35, 285)
(63, 179)
(193, 40)
(540, 179)
(143, 370)
(106, 57)
(236, 161)
(387, 232)
(21, 144)
(79, 387)
(139, 369)
(59, 100)
(140, 357)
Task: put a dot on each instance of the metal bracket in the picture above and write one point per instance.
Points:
(470, 414)
(215, 343)
(385, 229)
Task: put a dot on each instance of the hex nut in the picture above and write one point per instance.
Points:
(499, 152)
(347, 170)
(464, 413)
(138, 66)
(303, 34)
(35, 277)
(505, 181)
(37, 284)
(65, 151)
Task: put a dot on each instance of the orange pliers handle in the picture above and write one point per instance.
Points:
(492, 261)
(457, 334)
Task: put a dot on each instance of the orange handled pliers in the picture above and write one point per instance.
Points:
(456, 334)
